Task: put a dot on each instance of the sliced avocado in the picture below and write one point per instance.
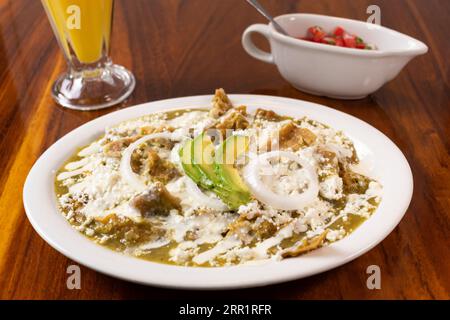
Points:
(203, 158)
(190, 169)
(227, 154)
(200, 167)
(232, 199)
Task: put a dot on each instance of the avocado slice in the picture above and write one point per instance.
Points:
(190, 169)
(197, 159)
(203, 158)
(227, 154)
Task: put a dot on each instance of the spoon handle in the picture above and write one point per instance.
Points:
(263, 11)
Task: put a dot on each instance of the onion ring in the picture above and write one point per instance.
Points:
(267, 196)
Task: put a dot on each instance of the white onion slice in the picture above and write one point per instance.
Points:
(267, 196)
(202, 198)
(125, 168)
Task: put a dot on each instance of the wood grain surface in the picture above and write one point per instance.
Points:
(189, 47)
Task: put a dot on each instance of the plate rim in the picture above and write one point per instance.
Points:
(226, 274)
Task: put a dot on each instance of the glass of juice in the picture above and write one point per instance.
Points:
(83, 30)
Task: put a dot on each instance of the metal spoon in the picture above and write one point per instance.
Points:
(263, 11)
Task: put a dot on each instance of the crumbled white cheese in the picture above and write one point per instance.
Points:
(183, 252)
(332, 188)
(206, 227)
(197, 120)
(317, 214)
(300, 226)
(334, 235)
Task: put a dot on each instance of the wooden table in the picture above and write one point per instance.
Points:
(181, 48)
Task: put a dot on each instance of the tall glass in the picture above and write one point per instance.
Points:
(83, 30)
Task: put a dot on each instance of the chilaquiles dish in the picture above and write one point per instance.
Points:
(216, 187)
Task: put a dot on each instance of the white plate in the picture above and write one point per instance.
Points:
(380, 154)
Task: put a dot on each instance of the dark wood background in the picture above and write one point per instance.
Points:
(190, 47)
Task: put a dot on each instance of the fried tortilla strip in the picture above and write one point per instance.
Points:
(353, 182)
(268, 115)
(221, 104)
(305, 246)
(248, 231)
(157, 200)
(234, 120)
(293, 137)
(328, 162)
(160, 169)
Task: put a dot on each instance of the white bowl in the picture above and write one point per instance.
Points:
(379, 155)
(336, 72)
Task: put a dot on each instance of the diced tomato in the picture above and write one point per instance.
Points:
(340, 42)
(349, 41)
(339, 32)
(360, 46)
(316, 33)
(339, 38)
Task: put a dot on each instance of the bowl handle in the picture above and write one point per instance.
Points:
(250, 46)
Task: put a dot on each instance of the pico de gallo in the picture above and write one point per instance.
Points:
(339, 37)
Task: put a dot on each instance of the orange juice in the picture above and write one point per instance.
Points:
(82, 27)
